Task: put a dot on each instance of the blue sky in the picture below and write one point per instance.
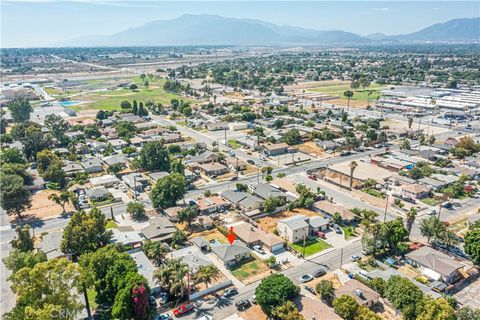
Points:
(46, 22)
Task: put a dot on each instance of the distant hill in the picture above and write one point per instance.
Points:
(216, 30)
(451, 31)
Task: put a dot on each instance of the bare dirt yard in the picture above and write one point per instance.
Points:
(42, 207)
(312, 149)
(270, 223)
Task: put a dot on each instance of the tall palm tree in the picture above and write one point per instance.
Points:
(173, 276)
(411, 215)
(155, 251)
(353, 166)
(449, 238)
(206, 274)
(348, 94)
(431, 228)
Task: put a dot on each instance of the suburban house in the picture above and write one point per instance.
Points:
(275, 149)
(50, 244)
(435, 264)
(314, 309)
(329, 209)
(235, 164)
(326, 144)
(145, 268)
(232, 254)
(243, 200)
(135, 181)
(253, 236)
(98, 194)
(192, 256)
(298, 227)
(127, 237)
(107, 180)
(214, 126)
(92, 165)
(114, 160)
(212, 204)
(415, 191)
(364, 295)
(72, 168)
(213, 169)
(172, 212)
(157, 175)
(204, 157)
(118, 144)
(159, 229)
(201, 243)
(266, 191)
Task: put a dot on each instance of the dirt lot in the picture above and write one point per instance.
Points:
(270, 223)
(403, 125)
(353, 103)
(43, 208)
(312, 149)
(210, 235)
(255, 312)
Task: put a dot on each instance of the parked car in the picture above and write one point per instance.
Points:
(250, 161)
(164, 316)
(447, 205)
(320, 234)
(263, 158)
(183, 309)
(319, 273)
(354, 258)
(152, 301)
(253, 299)
(337, 228)
(306, 278)
(243, 305)
(259, 249)
(230, 292)
(310, 289)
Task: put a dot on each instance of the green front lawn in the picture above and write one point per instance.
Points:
(374, 193)
(234, 144)
(312, 246)
(249, 268)
(349, 232)
(432, 201)
(111, 224)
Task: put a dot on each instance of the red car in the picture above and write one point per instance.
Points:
(183, 309)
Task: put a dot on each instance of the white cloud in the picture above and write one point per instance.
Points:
(384, 9)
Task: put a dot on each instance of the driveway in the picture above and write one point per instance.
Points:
(469, 295)
(219, 264)
(336, 240)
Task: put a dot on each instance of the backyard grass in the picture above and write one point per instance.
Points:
(111, 100)
(111, 224)
(234, 144)
(432, 201)
(359, 94)
(312, 246)
(249, 268)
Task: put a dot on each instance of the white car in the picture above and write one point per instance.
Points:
(306, 278)
(259, 249)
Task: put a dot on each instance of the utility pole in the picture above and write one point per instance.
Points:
(135, 187)
(304, 241)
(385, 213)
(341, 258)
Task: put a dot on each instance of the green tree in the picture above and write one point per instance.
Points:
(131, 298)
(353, 165)
(12, 155)
(55, 173)
(435, 309)
(20, 109)
(326, 291)
(34, 140)
(23, 241)
(172, 277)
(378, 284)
(270, 204)
(346, 307)
(348, 94)
(154, 157)
(292, 137)
(17, 169)
(467, 313)
(85, 232)
(363, 313)
(178, 238)
(136, 210)
(395, 234)
(188, 214)
(57, 126)
(168, 191)
(274, 291)
(287, 311)
(155, 251)
(472, 243)
(411, 215)
(44, 159)
(405, 144)
(431, 227)
(206, 274)
(14, 194)
(403, 295)
(18, 260)
(125, 104)
(47, 289)
(62, 199)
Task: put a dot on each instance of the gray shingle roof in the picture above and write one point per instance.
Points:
(229, 252)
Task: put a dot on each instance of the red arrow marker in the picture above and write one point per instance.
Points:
(231, 236)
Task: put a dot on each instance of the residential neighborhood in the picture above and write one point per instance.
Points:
(237, 183)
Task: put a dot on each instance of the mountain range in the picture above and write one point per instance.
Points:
(216, 30)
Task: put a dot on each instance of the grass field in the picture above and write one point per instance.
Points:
(358, 95)
(312, 246)
(250, 268)
(234, 144)
(111, 99)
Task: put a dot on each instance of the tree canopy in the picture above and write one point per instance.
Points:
(168, 191)
(274, 291)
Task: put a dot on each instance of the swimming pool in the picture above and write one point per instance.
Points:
(69, 103)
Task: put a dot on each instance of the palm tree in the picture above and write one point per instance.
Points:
(353, 166)
(172, 276)
(326, 291)
(410, 122)
(431, 228)
(206, 274)
(449, 238)
(155, 251)
(411, 215)
(348, 94)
